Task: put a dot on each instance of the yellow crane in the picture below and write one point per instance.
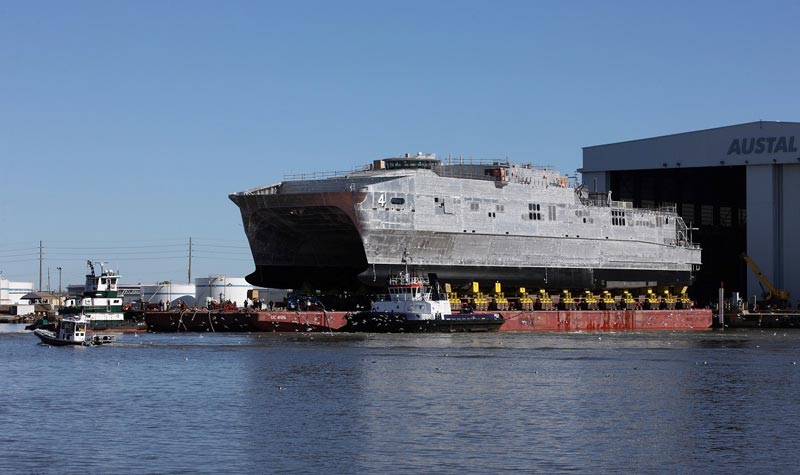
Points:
(775, 296)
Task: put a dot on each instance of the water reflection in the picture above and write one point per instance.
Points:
(249, 403)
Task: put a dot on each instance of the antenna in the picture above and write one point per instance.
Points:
(406, 257)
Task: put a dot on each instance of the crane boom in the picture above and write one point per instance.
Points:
(773, 292)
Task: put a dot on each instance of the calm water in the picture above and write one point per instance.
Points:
(712, 402)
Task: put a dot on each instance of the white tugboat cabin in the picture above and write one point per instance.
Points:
(413, 296)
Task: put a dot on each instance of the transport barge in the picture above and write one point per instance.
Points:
(242, 320)
(512, 321)
(763, 319)
(198, 320)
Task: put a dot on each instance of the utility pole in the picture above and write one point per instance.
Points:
(48, 279)
(59, 281)
(190, 260)
(40, 266)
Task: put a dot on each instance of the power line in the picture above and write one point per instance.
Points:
(135, 253)
(117, 247)
(21, 249)
(221, 245)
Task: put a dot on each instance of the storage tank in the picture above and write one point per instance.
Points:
(169, 292)
(221, 288)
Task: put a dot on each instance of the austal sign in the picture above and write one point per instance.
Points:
(762, 145)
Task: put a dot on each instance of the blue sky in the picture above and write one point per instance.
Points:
(124, 125)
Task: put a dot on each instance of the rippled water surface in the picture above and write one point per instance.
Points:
(704, 402)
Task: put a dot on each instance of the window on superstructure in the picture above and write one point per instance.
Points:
(398, 201)
(474, 206)
(617, 217)
(534, 212)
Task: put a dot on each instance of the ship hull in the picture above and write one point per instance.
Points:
(539, 277)
(371, 322)
(348, 232)
(460, 276)
(304, 241)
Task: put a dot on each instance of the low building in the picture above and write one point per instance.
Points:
(11, 292)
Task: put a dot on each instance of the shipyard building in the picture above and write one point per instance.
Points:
(739, 186)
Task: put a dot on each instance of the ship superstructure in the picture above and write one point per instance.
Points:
(100, 303)
(484, 222)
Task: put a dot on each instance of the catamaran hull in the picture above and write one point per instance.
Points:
(352, 231)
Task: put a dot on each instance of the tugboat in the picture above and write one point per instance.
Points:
(416, 304)
(101, 303)
(73, 330)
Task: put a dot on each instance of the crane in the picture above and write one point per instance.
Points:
(773, 296)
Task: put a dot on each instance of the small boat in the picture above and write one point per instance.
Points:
(416, 304)
(73, 330)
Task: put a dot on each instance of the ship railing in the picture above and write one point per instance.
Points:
(262, 190)
(622, 204)
(683, 234)
(474, 161)
(511, 177)
(395, 297)
(490, 162)
(601, 200)
(324, 174)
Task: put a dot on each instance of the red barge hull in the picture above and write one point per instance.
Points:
(315, 321)
(198, 321)
(291, 321)
(606, 320)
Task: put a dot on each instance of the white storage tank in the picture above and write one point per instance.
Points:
(221, 288)
(169, 292)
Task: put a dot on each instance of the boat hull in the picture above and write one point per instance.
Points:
(397, 323)
(768, 319)
(49, 338)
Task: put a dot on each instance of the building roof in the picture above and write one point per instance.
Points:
(751, 143)
(760, 123)
(39, 296)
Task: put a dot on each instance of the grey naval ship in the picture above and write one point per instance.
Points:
(464, 221)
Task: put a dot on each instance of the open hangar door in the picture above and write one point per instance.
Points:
(711, 199)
